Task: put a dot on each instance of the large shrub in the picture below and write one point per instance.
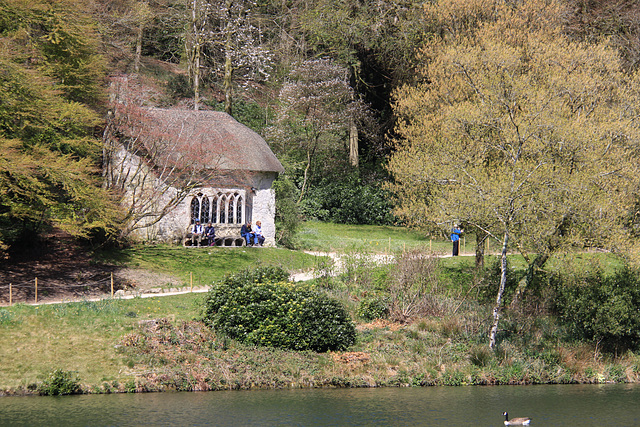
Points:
(602, 308)
(252, 309)
(348, 200)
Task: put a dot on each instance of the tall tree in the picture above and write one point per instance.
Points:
(237, 47)
(49, 71)
(315, 114)
(197, 34)
(520, 132)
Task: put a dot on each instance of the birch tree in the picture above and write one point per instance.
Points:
(520, 132)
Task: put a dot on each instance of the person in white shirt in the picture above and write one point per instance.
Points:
(196, 233)
(259, 239)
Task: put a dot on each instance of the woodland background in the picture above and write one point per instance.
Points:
(323, 81)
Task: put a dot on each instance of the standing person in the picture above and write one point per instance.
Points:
(196, 233)
(210, 232)
(258, 234)
(455, 239)
(246, 232)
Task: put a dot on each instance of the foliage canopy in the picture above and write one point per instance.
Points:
(518, 131)
(50, 76)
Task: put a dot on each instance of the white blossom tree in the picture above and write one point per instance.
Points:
(236, 47)
(317, 112)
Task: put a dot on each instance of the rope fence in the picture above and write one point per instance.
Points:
(32, 289)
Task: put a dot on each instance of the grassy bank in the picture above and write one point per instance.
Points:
(155, 344)
(158, 343)
(204, 265)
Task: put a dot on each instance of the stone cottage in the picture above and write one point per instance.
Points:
(176, 167)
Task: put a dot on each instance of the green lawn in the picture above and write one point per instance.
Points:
(320, 236)
(205, 265)
(79, 337)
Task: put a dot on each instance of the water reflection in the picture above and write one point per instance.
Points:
(568, 405)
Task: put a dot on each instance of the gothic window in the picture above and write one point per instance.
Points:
(204, 213)
(214, 210)
(195, 210)
(230, 209)
(223, 209)
(239, 210)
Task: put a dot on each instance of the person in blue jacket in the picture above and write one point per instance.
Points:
(247, 233)
(210, 233)
(455, 239)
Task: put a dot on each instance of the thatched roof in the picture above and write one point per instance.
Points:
(231, 145)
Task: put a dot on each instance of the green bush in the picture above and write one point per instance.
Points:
(60, 382)
(373, 307)
(348, 200)
(277, 314)
(602, 308)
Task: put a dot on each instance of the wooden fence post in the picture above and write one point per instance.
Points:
(36, 290)
(10, 295)
(112, 284)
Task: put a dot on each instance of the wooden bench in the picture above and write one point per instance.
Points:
(227, 235)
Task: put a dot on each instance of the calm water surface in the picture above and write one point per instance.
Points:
(566, 405)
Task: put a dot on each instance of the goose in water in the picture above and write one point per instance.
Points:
(515, 421)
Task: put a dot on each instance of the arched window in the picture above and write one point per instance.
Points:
(223, 209)
(195, 210)
(214, 210)
(230, 215)
(239, 210)
(204, 212)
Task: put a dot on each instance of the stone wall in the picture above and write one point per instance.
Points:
(168, 221)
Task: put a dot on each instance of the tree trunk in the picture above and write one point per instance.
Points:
(304, 180)
(228, 78)
(136, 61)
(196, 56)
(196, 79)
(503, 281)
(353, 143)
(481, 238)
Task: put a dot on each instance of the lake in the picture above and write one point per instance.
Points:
(547, 405)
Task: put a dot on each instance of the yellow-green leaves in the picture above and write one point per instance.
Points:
(517, 129)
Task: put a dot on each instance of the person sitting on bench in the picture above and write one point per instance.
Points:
(259, 237)
(197, 233)
(247, 233)
(210, 233)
